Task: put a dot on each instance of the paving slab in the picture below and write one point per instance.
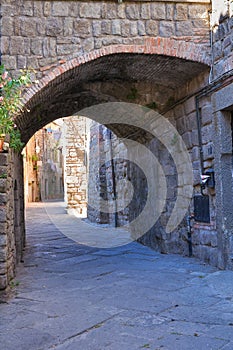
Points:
(71, 296)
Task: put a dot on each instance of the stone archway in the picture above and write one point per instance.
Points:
(155, 80)
(128, 74)
(67, 88)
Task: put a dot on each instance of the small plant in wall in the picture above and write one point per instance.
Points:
(3, 176)
(11, 105)
(35, 158)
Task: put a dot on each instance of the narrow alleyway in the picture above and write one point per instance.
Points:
(69, 296)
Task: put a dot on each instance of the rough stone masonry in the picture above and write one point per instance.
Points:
(169, 55)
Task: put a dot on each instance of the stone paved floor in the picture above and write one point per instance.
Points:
(73, 297)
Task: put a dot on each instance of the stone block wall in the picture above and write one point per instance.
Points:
(204, 235)
(76, 133)
(104, 147)
(222, 38)
(47, 34)
(7, 257)
(183, 115)
(12, 230)
(44, 34)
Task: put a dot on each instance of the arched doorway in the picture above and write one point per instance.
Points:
(158, 82)
(164, 84)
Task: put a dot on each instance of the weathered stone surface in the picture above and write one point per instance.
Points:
(96, 27)
(187, 137)
(53, 27)
(11, 61)
(88, 44)
(170, 8)
(184, 28)
(191, 121)
(60, 8)
(38, 9)
(106, 27)
(116, 27)
(2, 214)
(181, 12)
(55, 19)
(197, 11)
(145, 11)
(28, 27)
(109, 10)
(189, 106)
(132, 11)
(207, 133)
(5, 44)
(125, 29)
(68, 26)
(27, 9)
(17, 46)
(3, 282)
(7, 26)
(41, 26)
(134, 29)
(141, 28)
(47, 8)
(206, 114)
(152, 28)
(87, 11)
(158, 11)
(64, 49)
(121, 11)
(36, 46)
(3, 185)
(82, 28)
(3, 198)
(3, 255)
(3, 236)
(3, 159)
(166, 28)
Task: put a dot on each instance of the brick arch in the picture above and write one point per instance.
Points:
(155, 46)
(188, 55)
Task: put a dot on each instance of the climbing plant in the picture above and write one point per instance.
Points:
(11, 104)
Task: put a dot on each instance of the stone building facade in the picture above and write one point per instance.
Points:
(76, 154)
(175, 57)
(50, 165)
(31, 179)
(43, 164)
(107, 167)
(56, 164)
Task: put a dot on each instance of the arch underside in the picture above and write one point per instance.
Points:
(118, 77)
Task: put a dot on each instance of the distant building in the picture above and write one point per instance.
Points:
(56, 164)
(76, 131)
(43, 164)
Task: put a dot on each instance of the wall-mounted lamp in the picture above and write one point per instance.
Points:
(207, 179)
(204, 179)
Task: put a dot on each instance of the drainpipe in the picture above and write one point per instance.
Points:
(198, 118)
(189, 227)
(113, 180)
